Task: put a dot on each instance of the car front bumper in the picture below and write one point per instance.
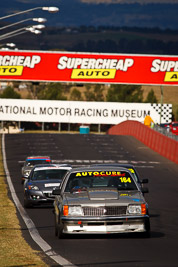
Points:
(38, 197)
(105, 225)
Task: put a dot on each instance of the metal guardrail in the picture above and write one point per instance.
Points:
(165, 131)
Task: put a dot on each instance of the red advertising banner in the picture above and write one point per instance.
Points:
(79, 67)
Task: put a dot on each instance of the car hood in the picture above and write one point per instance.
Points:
(103, 196)
(46, 185)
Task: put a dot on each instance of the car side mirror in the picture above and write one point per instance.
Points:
(26, 176)
(145, 190)
(144, 181)
(56, 192)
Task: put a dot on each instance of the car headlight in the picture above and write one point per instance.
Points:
(27, 173)
(136, 209)
(72, 211)
(33, 187)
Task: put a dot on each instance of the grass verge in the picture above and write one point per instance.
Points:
(14, 250)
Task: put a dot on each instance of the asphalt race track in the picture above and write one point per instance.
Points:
(161, 249)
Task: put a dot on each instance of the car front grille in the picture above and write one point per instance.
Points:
(104, 211)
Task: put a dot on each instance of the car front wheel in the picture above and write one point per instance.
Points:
(146, 234)
(60, 233)
(27, 205)
(56, 227)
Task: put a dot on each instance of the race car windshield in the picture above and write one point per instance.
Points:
(32, 163)
(121, 180)
(48, 174)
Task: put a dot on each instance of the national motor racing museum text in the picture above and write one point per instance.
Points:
(77, 112)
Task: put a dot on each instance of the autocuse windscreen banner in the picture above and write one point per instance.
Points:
(88, 67)
(81, 111)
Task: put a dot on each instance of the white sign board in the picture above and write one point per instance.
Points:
(81, 111)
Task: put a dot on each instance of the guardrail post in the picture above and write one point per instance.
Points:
(99, 128)
(59, 127)
(161, 103)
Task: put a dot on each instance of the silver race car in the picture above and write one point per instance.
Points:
(41, 182)
(100, 199)
(30, 162)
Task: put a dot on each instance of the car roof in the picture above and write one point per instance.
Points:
(53, 165)
(37, 157)
(98, 168)
(125, 165)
